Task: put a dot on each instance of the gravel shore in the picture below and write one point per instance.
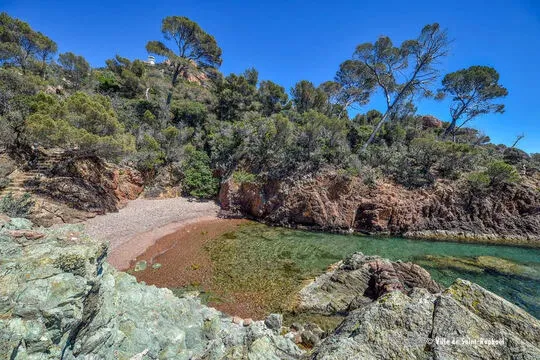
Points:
(142, 222)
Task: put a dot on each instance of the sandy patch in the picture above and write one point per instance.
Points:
(142, 222)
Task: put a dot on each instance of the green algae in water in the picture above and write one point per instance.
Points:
(276, 261)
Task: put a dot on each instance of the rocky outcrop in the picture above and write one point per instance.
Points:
(90, 184)
(448, 210)
(359, 280)
(60, 300)
(165, 184)
(67, 187)
(422, 325)
(430, 121)
(413, 318)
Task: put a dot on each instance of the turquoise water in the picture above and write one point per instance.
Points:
(511, 272)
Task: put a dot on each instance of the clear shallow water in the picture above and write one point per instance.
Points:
(256, 252)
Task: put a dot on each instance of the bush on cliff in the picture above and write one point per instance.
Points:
(501, 173)
(82, 121)
(16, 206)
(198, 179)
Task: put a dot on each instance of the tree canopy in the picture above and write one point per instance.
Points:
(21, 45)
(399, 72)
(194, 51)
(473, 91)
(75, 67)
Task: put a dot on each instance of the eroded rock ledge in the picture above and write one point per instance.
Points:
(447, 211)
(60, 300)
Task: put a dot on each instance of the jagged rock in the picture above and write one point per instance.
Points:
(448, 210)
(59, 299)
(47, 212)
(458, 323)
(90, 184)
(77, 189)
(430, 121)
(274, 321)
(360, 279)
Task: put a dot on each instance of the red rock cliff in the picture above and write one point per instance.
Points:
(448, 210)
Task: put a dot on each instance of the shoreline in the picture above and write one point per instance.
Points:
(441, 235)
(122, 256)
(142, 222)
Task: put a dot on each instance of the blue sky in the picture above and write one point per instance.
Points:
(288, 41)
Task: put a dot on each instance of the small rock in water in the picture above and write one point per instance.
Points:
(237, 320)
(140, 266)
(274, 321)
(156, 266)
(248, 321)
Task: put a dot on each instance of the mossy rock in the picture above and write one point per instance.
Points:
(73, 263)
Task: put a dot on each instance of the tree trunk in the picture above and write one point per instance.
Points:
(450, 129)
(376, 130)
(173, 83)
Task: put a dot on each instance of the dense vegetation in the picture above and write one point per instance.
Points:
(181, 119)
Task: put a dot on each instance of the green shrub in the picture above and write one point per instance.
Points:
(4, 182)
(86, 122)
(515, 156)
(198, 179)
(241, 177)
(149, 155)
(455, 159)
(501, 173)
(191, 113)
(478, 181)
(107, 81)
(16, 206)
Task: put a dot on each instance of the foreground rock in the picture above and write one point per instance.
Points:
(60, 300)
(464, 321)
(449, 210)
(359, 280)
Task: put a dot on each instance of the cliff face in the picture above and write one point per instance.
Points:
(339, 203)
(68, 189)
(91, 184)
